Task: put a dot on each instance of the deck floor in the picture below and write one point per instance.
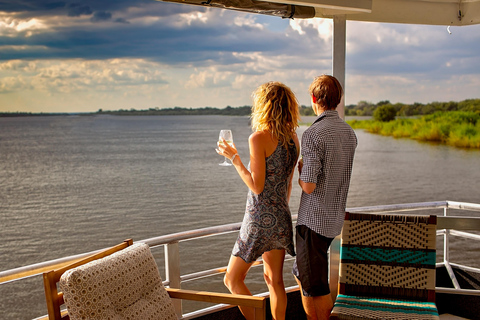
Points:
(447, 316)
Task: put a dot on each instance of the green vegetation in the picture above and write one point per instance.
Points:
(455, 128)
(385, 113)
(364, 108)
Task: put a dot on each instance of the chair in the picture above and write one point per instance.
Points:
(123, 282)
(387, 268)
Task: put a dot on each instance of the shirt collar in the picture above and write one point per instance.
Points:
(325, 114)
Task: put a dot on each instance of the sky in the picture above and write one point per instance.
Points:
(83, 56)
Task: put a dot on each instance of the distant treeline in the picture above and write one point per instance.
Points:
(207, 111)
(29, 114)
(363, 108)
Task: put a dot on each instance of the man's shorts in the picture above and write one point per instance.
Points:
(311, 263)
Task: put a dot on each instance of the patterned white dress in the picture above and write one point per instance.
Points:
(267, 224)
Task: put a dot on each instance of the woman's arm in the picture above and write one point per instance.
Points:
(255, 178)
(297, 144)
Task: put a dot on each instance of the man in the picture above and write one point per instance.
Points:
(328, 147)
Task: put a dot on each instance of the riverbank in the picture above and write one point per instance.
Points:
(456, 128)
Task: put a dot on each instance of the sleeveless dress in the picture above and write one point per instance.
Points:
(267, 224)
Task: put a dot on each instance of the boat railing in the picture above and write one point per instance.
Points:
(448, 226)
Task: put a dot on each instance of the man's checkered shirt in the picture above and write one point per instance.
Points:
(328, 148)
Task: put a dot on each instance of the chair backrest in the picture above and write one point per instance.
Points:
(53, 297)
(123, 285)
(388, 256)
(122, 282)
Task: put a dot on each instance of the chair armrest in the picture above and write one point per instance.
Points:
(212, 297)
(215, 297)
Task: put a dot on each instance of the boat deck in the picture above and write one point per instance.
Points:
(447, 316)
(457, 285)
(451, 306)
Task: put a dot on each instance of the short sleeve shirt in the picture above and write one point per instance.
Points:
(328, 149)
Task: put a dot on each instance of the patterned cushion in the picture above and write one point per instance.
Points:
(387, 268)
(124, 285)
(390, 255)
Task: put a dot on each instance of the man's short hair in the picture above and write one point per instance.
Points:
(327, 90)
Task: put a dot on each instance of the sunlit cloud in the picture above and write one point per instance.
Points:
(323, 27)
(79, 75)
(189, 18)
(13, 26)
(248, 21)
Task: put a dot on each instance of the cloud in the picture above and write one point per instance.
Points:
(101, 16)
(80, 75)
(77, 10)
(59, 48)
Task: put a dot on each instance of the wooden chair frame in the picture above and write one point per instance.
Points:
(54, 299)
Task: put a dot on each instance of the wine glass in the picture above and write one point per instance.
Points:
(227, 135)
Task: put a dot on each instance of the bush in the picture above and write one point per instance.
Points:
(385, 113)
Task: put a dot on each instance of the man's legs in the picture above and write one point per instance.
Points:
(311, 272)
(316, 308)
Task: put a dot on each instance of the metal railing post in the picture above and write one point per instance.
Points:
(334, 267)
(446, 255)
(172, 271)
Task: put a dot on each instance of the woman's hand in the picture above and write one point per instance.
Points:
(226, 150)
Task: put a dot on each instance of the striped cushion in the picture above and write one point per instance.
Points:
(390, 256)
(387, 268)
(354, 307)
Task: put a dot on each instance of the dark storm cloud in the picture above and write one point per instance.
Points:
(30, 5)
(101, 16)
(77, 9)
(197, 43)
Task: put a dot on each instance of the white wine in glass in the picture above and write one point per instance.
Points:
(227, 135)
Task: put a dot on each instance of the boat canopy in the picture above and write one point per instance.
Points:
(283, 10)
(431, 12)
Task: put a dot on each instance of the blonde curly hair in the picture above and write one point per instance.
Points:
(275, 109)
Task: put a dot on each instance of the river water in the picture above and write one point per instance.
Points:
(71, 184)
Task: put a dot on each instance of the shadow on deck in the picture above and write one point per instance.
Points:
(464, 306)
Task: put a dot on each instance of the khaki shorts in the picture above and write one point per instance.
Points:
(311, 263)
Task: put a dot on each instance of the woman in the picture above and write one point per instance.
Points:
(267, 229)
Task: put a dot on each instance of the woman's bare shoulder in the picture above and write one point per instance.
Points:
(260, 136)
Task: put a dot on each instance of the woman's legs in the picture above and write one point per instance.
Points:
(234, 280)
(273, 274)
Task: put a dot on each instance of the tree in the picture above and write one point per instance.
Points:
(385, 113)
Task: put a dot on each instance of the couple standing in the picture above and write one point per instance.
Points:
(328, 148)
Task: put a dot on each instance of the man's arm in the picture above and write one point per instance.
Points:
(307, 187)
